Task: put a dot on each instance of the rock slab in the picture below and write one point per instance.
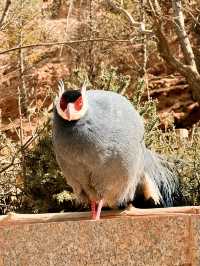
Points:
(165, 240)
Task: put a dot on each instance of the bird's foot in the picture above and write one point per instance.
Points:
(96, 213)
(131, 210)
(100, 205)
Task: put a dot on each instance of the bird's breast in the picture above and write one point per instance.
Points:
(82, 143)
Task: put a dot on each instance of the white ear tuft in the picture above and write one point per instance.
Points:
(83, 89)
(61, 89)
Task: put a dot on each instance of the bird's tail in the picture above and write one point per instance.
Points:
(159, 180)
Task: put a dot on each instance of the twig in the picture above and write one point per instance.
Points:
(64, 43)
(23, 90)
(143, 71)
(5, 12)
(119, 9)
(25, 145)
(130, 18)
(21, 133)
(144, 39)
(14, 127)
(67, 23)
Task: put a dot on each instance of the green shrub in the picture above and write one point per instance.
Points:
(44, 189)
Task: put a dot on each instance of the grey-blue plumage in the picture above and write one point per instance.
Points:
(103, 155)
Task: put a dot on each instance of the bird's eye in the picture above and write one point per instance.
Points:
(63, 103)
(78, 103)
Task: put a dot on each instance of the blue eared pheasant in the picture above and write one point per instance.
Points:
(98, 139)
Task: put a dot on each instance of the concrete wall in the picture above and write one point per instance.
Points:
(153, 240)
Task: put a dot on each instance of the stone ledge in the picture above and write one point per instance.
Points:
(154, 240)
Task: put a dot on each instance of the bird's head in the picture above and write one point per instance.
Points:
(71, 104)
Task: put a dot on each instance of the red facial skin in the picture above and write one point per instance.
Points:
(78, 104)
(63, 104)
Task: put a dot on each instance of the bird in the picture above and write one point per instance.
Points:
(98, 139)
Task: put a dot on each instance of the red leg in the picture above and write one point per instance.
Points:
(98, 213)
(93, 209)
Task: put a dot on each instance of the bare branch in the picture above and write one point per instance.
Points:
(67, 23)
(144, 39)
(165, 52)
(63, 43)
(188, 70)
(23, 90)
(21, 134)
(130, 18)
(182, 34)
(144, 47)
(123, 11)
(5, 12)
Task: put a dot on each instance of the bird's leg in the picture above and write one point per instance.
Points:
(98, 213)
(93, 209)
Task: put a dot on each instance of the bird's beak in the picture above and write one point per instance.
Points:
(70, 112)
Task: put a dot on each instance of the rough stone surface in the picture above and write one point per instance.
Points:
(155, 241)
(195, 239)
